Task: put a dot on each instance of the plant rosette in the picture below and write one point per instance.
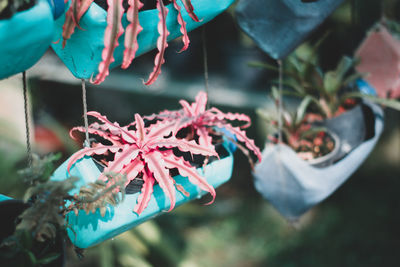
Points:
(169, 159)
(45, 253)
(293, 185)
(26, 36)
(86, 55)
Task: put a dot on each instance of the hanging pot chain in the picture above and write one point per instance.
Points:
(205, 62)
(280, 105)
(85, 117)
(27, 129)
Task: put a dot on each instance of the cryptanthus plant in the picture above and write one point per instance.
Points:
(146, 152)
(115, 29)
(147, 148)
(201, 124)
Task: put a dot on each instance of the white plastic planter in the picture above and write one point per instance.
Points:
(293, 186)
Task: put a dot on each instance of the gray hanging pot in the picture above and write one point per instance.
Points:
(293, 186)
(279, 26)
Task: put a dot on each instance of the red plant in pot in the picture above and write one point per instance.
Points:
(115, 29)
(146, 152)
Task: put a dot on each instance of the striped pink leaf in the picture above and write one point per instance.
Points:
(182, 23)
(131, 32)
(145, 195)
(156, 165)
(114, 128)
(89, 151)
(190, 10)
(133, 169)
(113, 31)
(187, 170)
(95, 131)
(184, 146)
(161, 42)
(122, 158)
(242, 137)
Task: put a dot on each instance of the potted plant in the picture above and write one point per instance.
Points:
(93, 48)
(294, 186)
(379, 56)
(159, 158)
(24, 45)
(33, 231)
(278, 27)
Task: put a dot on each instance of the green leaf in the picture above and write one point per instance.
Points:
(390, 103)
(332, 82)
(302, 108)
(49, 258)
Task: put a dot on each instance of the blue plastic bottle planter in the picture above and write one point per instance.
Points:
(82, 53)
(90, 229)
(4, 198)
(278, 27)
(26, 36)
(293, 186)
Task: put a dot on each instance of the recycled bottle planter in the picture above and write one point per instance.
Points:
(278, 27)
(293, 186)
(379, 56)
(10, 209)
(26, 36)
(90, 229)
(82, 52)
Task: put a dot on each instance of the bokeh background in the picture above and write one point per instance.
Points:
(357, 226)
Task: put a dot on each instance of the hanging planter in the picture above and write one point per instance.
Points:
(26, 35)
(93, 228)
(293, 185)
(334, 102)
(168, 159)
(379, 56)
(82, 53)
(42, 253)
(278, 27)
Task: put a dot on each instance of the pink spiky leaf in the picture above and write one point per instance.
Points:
(140, 130)
(132, 32)
(161, 42)
(83, 7)
(145, 195)
(184, 146)
(97, 132)
(242, 137)
(114, 128)
(182, 23)
(156, 165)
(186, 170)
(219, 115)
(122, 158)
(113, 31)
(89, 151)
(190, 10)
(205, 140)
(133, 169)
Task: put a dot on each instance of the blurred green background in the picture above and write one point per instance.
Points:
(357, 226)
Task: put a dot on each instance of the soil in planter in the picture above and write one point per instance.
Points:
(315, 146)
(13, 6)
(147, 4)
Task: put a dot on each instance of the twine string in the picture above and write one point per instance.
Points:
(85, 117)
(27, 128)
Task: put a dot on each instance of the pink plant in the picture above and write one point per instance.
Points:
(202, 123)
(114, 30)
(144, 151)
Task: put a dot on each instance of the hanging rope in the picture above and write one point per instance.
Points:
(28, 135)
(87, 142)
(280, 105)
(205, 62)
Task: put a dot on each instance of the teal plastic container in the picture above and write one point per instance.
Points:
(24, 38)
(4, 198)
(90, 229)
(82, 53)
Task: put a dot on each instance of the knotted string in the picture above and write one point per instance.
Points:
(85, 117)
(205, 63)
(27, 129)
